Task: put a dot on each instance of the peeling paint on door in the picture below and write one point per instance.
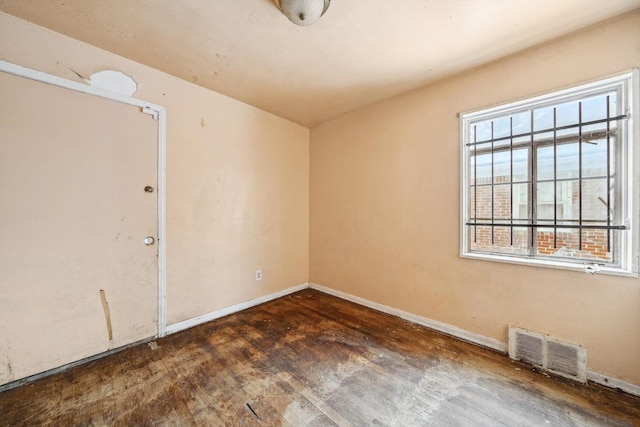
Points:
(107, 313)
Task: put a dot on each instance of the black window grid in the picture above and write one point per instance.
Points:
(533, 222)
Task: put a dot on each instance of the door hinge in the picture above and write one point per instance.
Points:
(151, 112)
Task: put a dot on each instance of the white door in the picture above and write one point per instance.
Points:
(74, 215)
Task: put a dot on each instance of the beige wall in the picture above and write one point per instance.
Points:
(237, 178)
(385, 201)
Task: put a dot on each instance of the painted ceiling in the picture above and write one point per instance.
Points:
(358, 53)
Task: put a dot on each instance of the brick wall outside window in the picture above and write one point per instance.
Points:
(594, 242)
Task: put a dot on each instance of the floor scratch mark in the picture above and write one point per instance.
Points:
(253, 412)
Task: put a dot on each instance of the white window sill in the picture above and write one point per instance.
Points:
(588, 268)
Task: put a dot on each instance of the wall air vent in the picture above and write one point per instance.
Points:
(558, 357)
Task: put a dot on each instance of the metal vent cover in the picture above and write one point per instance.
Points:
(529, 348)
(561, 358)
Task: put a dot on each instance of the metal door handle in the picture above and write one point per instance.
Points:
(149, 240)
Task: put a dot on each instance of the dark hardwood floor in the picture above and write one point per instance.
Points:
(312, 359)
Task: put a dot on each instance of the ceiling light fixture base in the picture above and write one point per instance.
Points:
(303, 12)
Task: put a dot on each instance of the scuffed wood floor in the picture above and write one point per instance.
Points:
(312, 359)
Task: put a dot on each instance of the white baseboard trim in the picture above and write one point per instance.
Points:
(454, 331)
(432, 324)
(194, 321)
(464, 335)
(612, 382)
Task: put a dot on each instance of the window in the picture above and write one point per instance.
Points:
(552, 180)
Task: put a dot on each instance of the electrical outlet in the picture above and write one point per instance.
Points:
(258, 275)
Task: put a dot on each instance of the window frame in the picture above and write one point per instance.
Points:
(629, 165)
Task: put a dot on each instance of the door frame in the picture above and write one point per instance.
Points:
(160, 114)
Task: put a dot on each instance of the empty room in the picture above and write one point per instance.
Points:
(340, 213)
